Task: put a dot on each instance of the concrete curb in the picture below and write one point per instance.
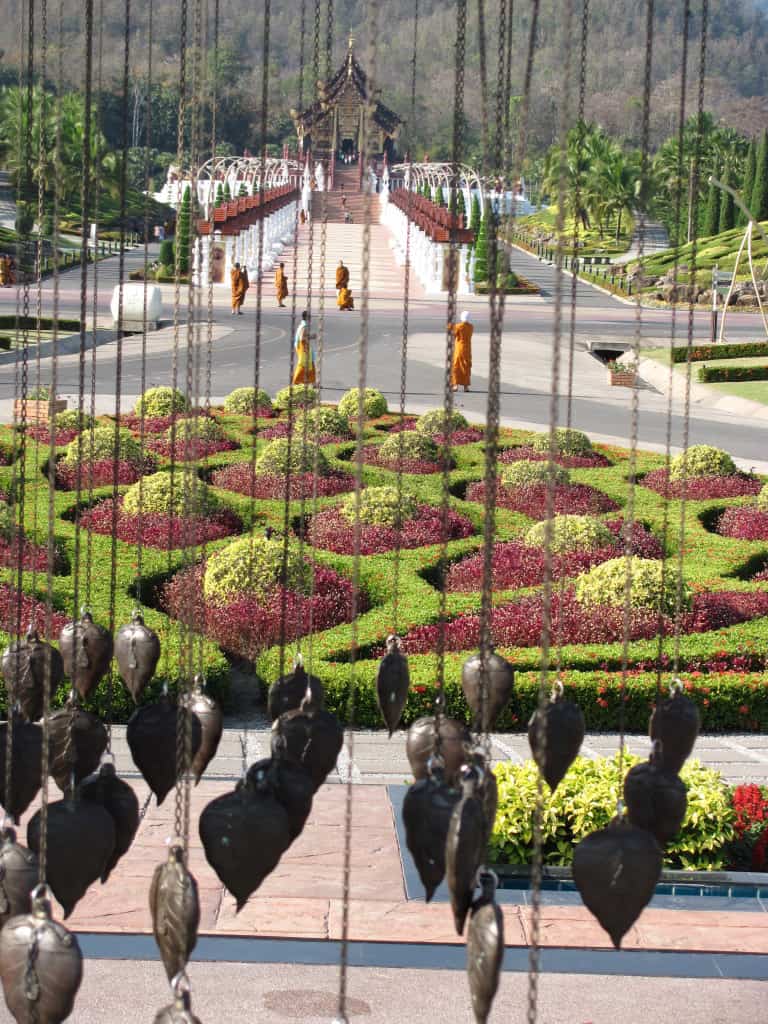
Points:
(658, 375)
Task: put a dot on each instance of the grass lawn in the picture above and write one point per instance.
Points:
(756, 390)
(593, 244)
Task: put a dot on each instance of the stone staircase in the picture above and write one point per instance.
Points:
(346, 183)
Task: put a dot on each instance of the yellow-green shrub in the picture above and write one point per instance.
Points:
(567, 442)
(254, 565)
(159, 495)
(245, 401)
(652, 584)
(374, 403)
(380, 506)
(701, 460)
(161, 401)
(103, 447)
(525, 472)
(296, 397)
(571, 533)
(280, 456)
(437, 421)
(415, 445)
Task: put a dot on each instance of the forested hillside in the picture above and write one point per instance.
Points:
(737, 85)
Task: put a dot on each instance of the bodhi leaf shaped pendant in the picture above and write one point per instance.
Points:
(78, 739)
(25, 666)
(137, 652)
(151, 735)
(555, 735)
(288, 693)
(427, 810)
(465, 846)
(488, 681)
(676, 723)
(208, 714)
(18, 876)
(26, 754)
(86, 649)
(656, 799)
(421, 743)
(41, 965)
(175, 909)
(106, 789)
(485, 947)
(312, 739)
(392, 683)
(291, 786)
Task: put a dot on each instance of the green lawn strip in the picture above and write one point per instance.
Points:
(592, 242)
(754, 390)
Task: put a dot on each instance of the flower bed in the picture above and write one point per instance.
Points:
(159, 530)
(34, 556)
(332, 531)
(283, 429)
(744, 522)
(101, 473)
(240, 477)
(573, 499)
(735, 485)
(372, 457)
(158, 424)
(42, 435)
(516, 565)
(33, 613)
(519, 624)
(249, 623)
(189, 449)
(592, 460)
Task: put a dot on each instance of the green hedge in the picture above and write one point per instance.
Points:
(46, 323)
(716, 374)
(730, 351)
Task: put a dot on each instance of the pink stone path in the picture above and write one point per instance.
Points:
(302, 898)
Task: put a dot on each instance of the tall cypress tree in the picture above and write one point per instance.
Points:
(227, 192)
(474, 217)
(481, 252)
(711, 213)
(748, 183)
(242, 191)
(727, 207)
(440, 196)
(219, 194)
(183, 232)
(759, 205)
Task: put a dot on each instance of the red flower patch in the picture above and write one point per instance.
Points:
(157, 424)
(700, 488)
(465, 435)
(32, 611)
(248, 625)
(192, 448)
(531, 500)
(332, 531)
(744, 523)
(34, 556)
(594, 461)
(101, 473)
(240, 477)
(421, 466)
(43, 435)
(519, 623)
(281, 430)
(156, 530)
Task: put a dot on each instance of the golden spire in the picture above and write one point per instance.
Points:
(350, 49)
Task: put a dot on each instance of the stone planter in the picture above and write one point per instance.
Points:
(38, 412)
(622, 378)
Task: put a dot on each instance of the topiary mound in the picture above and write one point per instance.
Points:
(525, 472)
(567, 442)
(322, 421)
(652, 585)
(415, 445)
(571, 533)
(374, 404)
(71, 419)
(699, 461)
(163, 495)
(103, 446)
(379, 506)
(162, 401)
(246, 401)
(762, 498)
(282, 456)
(201, 428)
(254, 565)
(437, 422)
(298, 396)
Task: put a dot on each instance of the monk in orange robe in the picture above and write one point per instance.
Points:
(239, 279)
(461, 367)
(305, 371)
(342, 276)
(281, 284)
(345, 300)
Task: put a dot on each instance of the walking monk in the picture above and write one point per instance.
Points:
(342, 276)
(345, 300)
(281, 285)
(461, 368)
(305, 372)
(239, 279)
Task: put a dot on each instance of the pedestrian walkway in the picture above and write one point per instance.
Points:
(649, 236)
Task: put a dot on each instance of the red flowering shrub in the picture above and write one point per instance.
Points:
(101, 473)
(464, 435)
(372, 456)
(743, 523)
(43, 435)
(34, 556)
(281, 430)
(531, 500)
(409, 423)
(189, 448)
(32, 611)
(518, 624)
(240, 477)
(751, 809)
(515, 565)
(157, 424)
(700, 488)
(333, 531)
(594, 460)
(156, 530)
(250, 624)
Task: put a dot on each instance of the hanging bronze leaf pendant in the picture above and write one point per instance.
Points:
(563, 734)
(41, 965)
(208, 713)
(455, 740)
(616, 870)
(465, 847)
(81, 840)
(485, 948)
(427, 810)
(656, 800)
(151, 735)
(489, 795)
(25, 666)
(291, 786)
(289, 691)
(86, 649)
(675, 722)
(26, 754)
(18, 876)
(78, 738)
(499, 686)
(313, 740)
(179, 1012)
(119, 800)
(175, 909)
(244, 833)
(137, 652)
(392, 684)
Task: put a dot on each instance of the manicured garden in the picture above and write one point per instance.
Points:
(213, 554)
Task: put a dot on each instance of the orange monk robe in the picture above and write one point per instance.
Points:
(461, 368)
(342, 277)
(281, 285)
(345, 300)
(305, 372)
(239, 287)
